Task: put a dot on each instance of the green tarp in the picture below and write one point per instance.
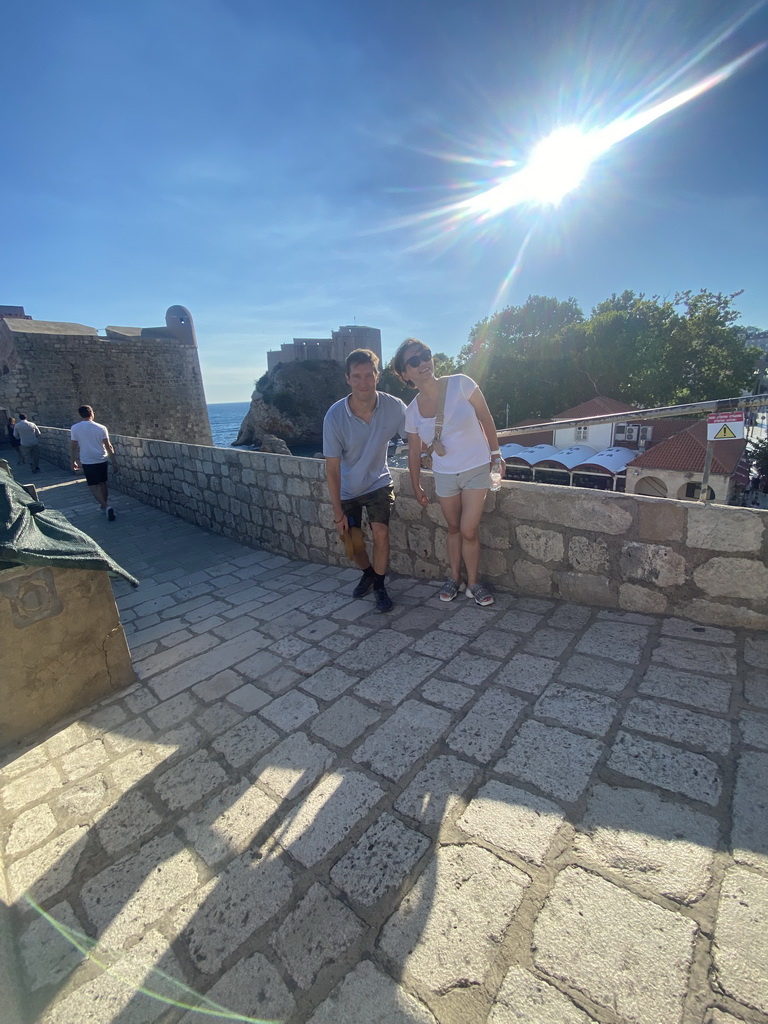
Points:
(31, 534)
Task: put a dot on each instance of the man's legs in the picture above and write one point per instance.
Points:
(100, 493)
(34, 452)
(23, 454)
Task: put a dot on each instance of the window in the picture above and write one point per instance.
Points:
(580, 433)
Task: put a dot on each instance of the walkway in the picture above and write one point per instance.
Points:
(305, 811)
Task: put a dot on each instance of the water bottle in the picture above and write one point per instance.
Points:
(496, 474)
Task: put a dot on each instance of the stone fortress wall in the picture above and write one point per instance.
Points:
(704, 562)
(140, 381)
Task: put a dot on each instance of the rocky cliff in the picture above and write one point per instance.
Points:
(291, 401)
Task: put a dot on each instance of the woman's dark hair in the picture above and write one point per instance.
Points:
(397, 363)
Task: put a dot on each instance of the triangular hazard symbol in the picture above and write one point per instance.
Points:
(724, 433)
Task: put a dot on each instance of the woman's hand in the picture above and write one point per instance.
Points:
(421, 496)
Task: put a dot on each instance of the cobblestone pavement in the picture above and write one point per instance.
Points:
(536, 812)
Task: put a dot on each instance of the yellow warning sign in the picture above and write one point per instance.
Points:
(724, 433)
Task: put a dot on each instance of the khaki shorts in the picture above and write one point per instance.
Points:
(377, 504)
(448, 485)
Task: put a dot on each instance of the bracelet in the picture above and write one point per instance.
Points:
(336, 521)
(497, 452)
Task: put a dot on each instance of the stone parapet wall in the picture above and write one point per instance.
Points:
(707, 563)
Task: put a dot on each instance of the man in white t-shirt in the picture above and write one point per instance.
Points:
(92, 449)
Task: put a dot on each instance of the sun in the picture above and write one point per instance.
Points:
(559, 164)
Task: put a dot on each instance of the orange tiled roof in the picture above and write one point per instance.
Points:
(599, 406)
(686, 450)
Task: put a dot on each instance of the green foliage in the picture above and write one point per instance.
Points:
(758, 452)
(544, 356)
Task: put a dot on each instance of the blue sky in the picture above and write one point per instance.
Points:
(266, 163)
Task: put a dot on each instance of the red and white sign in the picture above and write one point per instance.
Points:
(725, 426)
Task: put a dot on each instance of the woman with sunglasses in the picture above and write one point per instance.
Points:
(462, 473)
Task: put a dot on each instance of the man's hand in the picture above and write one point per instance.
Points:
(115, 468)
(342, 525)
(75, 466)
(421, 496)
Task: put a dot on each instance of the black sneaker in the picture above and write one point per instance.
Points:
(365, 584)
(383, 600)
(111, 514)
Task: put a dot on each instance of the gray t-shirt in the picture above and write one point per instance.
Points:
(361, 446)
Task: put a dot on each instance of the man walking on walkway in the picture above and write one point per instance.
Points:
(356, 432)
(28, 433)
(92, 449)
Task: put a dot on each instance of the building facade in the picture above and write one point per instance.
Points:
(336, 348)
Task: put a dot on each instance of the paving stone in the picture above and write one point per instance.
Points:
(389, 685)
(720, 1017)
(225, 655)
(447, 930)
(173, 711)
(549, 643)
(659, 764)
(290, 711)
(245, 741)
(756, 689)
(653, 843)
(227, 822)
(380, 861)
(526, 672)
(218, 685)
(596, 674)
(374, 651)
(469, 668)
(186, 783)
(740, 947)
(293, 765)
(714, 660)
(607, 943)
(576, 708)
(696, 631)
(217, 719)
(570, 616)
(319, 931)
(525, 999)
(679, 724)
(618, 641)
(329, 683)
(482, 730)
(46, 871)
(503, 644)
(47, 956)
(31, 787)
(344, 721)
(366, 994)
(753, 727)
(519, 621)
(691, 688)
(83, 797)
(327, 815)
(449, 695)
(436, 790)
(259, 665)
(29, 829)
(555, 760)
(251, 986)
(130, 769)
(280, 680)
(128, 820)
(756, 651)
(75, 735)
(439, 644)
(140, 700)
(124, 899)
(171, 658)
(513, 820)
(248, 698)
(30, 759)
(114, 993)
(404, 738)
(749, 834)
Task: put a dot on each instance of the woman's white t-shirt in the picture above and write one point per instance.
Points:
(465, 443)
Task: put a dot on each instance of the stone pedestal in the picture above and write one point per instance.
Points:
(61, 646)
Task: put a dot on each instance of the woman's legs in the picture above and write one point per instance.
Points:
(471, 510)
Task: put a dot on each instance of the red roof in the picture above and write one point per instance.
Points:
(686, 450)
(599, 406)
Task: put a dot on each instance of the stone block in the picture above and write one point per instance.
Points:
(227, 822)
(525, 999)
(634, 598)
(293, 765)
(482, 730)
(691, 688)
(513, 820)
(531, 578)
(464, 884)
(588, 556)
(543, 545)
(436, 790)
(555, 760)
(712, 659)
(571, 507)
(652, 844)
(65, 647)
(403, 739)
(718, 528)
(366, 994)
(388, 685)
(526, 672)
(660, 764)
(620, 641)
(252, 982)
(608, 943)
(380, 861)
(652, 563)
(689, 728)
(659, 520)
(740, 946)
(595, 674)
(576, 709)
(749, 831)
(744, 578)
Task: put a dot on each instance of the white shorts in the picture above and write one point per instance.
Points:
(448, 485)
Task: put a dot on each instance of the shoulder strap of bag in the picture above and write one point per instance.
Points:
(443, 388)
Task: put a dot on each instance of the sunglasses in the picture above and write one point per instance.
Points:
(424, 356)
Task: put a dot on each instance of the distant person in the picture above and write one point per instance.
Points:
(356, 434)
(28, 433)
(14, 441)
(92, 449)
(462, 457)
